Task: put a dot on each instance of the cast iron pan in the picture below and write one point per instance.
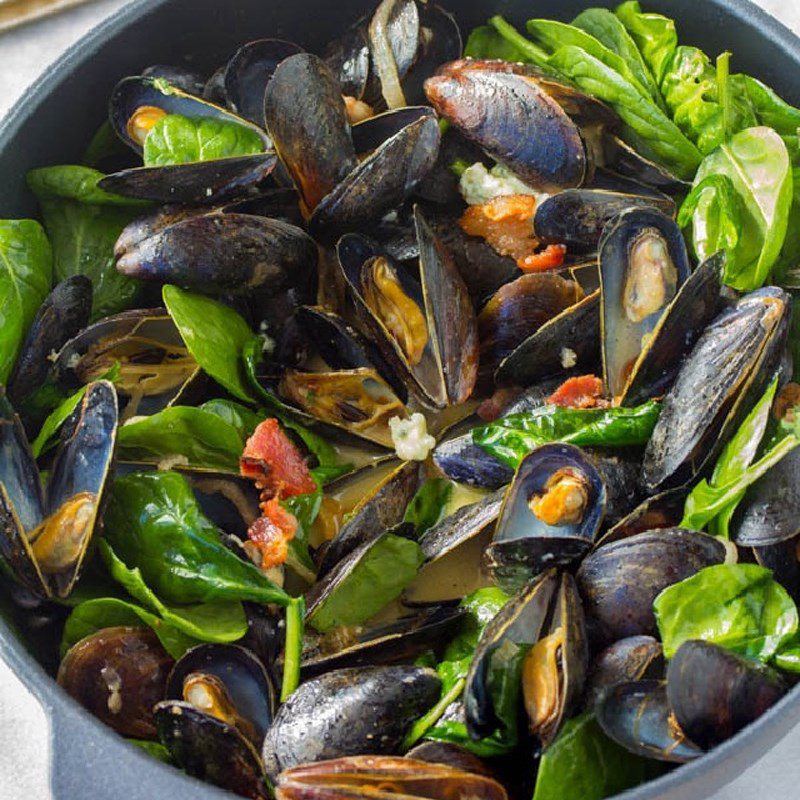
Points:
(55, 120)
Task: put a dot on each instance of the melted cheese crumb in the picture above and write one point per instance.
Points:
(569, 358)
(410, 437)
(479, 185)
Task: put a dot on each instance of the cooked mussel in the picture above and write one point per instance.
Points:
(380, 507)
(224, 253)
(516, 311)
(550, 516)
(541, 631)
(519, 119)
(250, 70)
(154, 366)
(577, 217)
(63, 314)
(227, 682)
(339, 713)
(632, 659)
(400, 640)
(571, 339)
(118, 674)
(44, 539)
(619, 581)
(384, 778)
(734, 358)
(643, 263)
(637, 716)
(425, 329)
(210, 749)
(714, 693)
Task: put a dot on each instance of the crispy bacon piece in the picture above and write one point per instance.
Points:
(274, 463)
(584, 391)
(505, 222)
(272, 532)
(552, 257)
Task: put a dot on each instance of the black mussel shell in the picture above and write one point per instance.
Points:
(348, 57)
(619, 581)
(714, 693)
(185, 79)
(632, 659)
(663, 510)
(339, 713)
(624, 159)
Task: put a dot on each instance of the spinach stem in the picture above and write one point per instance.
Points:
(428, 720)
(724, 88)
(295, 613)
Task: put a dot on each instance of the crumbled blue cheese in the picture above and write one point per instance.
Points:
(569, 358)
(410, 437)
(479, 185)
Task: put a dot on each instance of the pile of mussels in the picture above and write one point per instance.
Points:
(340, 242)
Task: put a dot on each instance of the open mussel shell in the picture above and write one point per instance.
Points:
(224, 253)
(181, 77)
(619, 581)
(550, 516)
(226, 681)
(305, 114)
(734, 358)
(461, 460)
(517, 311)
(250, 70)
(571, 338)
(545, 621)
(632, 659)
(211, 750)
(64, 313)
(624, 159)
(400, 640)
(197, 183)
(118, 674)
(664, 510)
(514, 120)
(394, 33)
(714, 693)
(449, 754)
(453, 549)
(384, 778)
(577, 217)
(155, 366)
(338, 714)
(348, 58)
(386, 177)
(426, 330)
(637, 716)
(680, 326)
(137, 103)
(381, 507)
(643, 263)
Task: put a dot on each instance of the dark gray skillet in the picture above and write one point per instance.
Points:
(53, 123)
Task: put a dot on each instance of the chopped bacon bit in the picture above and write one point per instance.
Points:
(506, 224)
(272, 532)
(785, 403)
(492, 407)
(552, 257)
(274, 463)
(585, 391)
(357, 110)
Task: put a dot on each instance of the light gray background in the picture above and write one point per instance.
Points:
(24, 54)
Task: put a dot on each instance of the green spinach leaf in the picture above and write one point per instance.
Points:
(511, 438)
(486, 42)
(204, 439)
(378, 578)
(219, 621)
(757, 163)
(654, 34)
(428, 505)
(772, 111)
(76, 182)
(182, 140)
(788, 657)
(215, 335)
(154, 523)
(26, 274)
(737, 606)
(584, 763)
(107, 612)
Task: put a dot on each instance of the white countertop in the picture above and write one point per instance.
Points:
(25, 53)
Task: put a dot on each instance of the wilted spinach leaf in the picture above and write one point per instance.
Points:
(737, 606)
(654, 34)
(428, 505)
(26, 273)
(175, 139)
